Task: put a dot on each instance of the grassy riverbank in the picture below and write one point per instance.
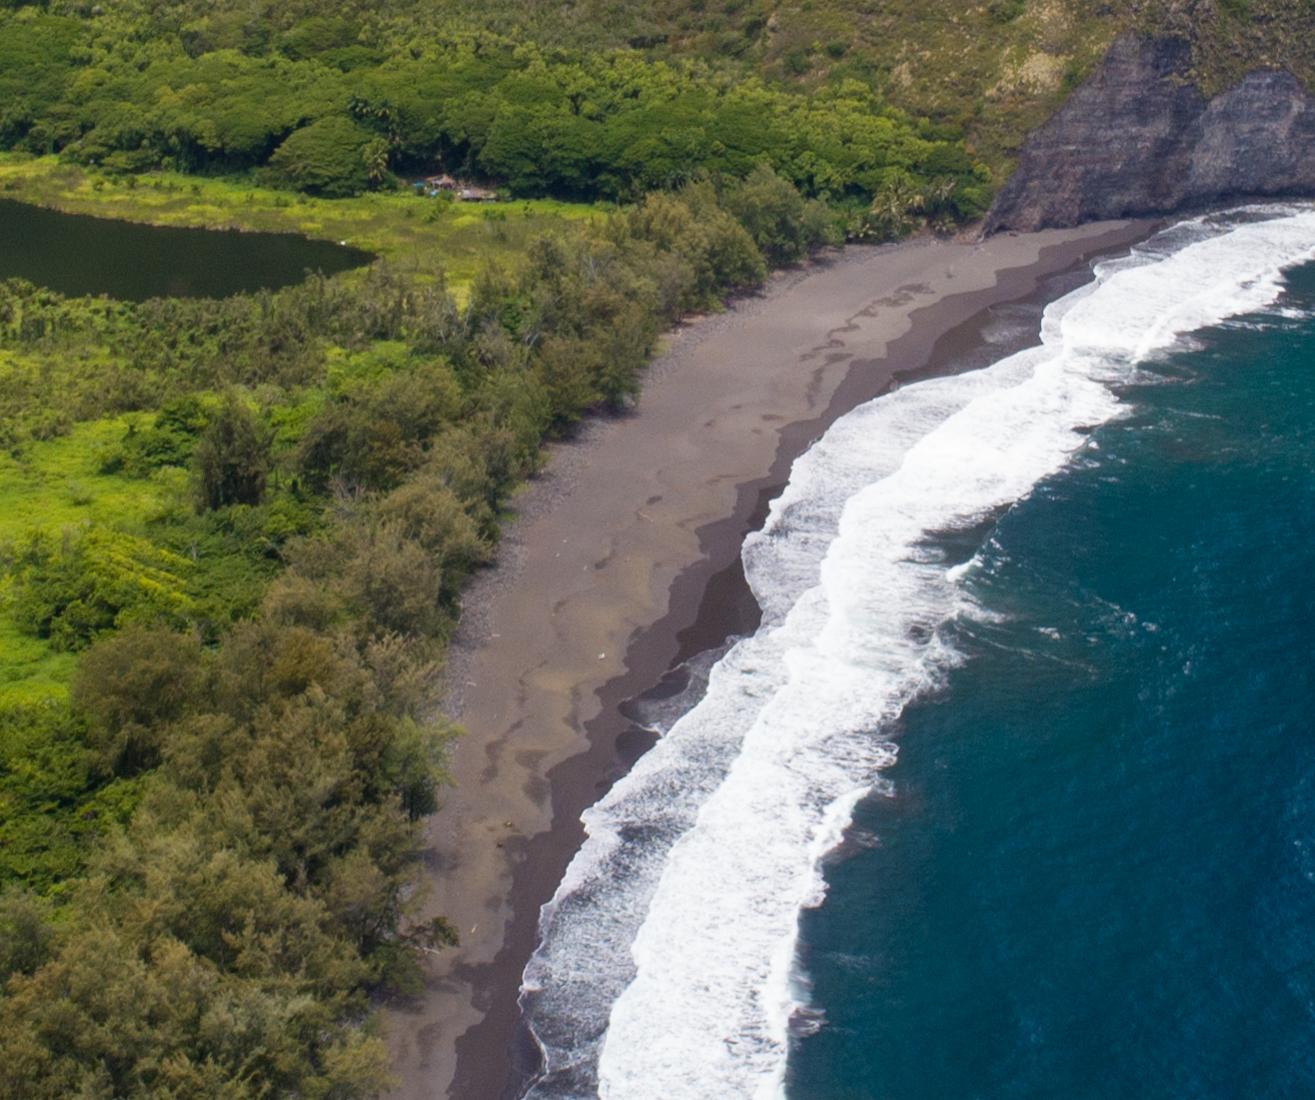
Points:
(56, 484)
(412, 232)
(49, 485)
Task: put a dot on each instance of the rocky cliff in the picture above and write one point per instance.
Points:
(1139, 138)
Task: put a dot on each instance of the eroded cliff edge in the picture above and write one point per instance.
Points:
(1139, 137)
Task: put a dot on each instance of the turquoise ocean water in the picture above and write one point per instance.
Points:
(1013, 792)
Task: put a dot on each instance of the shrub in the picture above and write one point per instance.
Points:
(25, 933)
(781, 222)
(169, 441)
(719, 252)
(374, 434)
(232, 457)
(431, 513)
(393, 582)
(92, 581)
(131, 686)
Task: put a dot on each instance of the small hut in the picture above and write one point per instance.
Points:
(461, 190)
(435, 184)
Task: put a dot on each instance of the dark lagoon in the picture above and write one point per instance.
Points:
(76, 254)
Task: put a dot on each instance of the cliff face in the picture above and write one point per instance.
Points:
(1139, 138)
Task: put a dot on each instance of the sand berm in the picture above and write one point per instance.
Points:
(619, 549)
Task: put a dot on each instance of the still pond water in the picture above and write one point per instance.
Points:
(76, 254)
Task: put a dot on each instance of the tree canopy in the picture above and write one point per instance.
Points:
(320, 110)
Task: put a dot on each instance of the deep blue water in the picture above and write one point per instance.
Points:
(1093, 874)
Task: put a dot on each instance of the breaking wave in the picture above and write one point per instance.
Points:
(666, 959)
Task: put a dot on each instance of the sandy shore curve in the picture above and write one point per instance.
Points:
(601, 576)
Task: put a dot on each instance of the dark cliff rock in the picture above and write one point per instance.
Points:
(1139, 138)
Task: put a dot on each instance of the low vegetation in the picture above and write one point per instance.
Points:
(1230, 37)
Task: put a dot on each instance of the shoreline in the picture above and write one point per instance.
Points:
(591, 622)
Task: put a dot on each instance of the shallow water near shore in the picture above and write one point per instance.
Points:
(673, 963)
(76, 254)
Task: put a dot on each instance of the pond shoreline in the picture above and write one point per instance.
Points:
(83, 255)
(418, 234)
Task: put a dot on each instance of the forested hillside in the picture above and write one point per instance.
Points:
(234, 532)
(589, 99)
(333, 107)
(593, 98)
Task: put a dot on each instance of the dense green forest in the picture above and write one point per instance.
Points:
(315, 108)
(589, 98)
(234, 533)
(845, 98)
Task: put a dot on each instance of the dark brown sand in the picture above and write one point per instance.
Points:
(624, 560)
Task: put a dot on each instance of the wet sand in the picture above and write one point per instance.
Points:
(623, 559)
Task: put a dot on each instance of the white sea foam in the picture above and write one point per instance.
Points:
(666, 966)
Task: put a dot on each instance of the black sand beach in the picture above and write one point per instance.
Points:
(624, 561)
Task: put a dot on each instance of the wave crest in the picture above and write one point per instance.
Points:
(666, 962)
